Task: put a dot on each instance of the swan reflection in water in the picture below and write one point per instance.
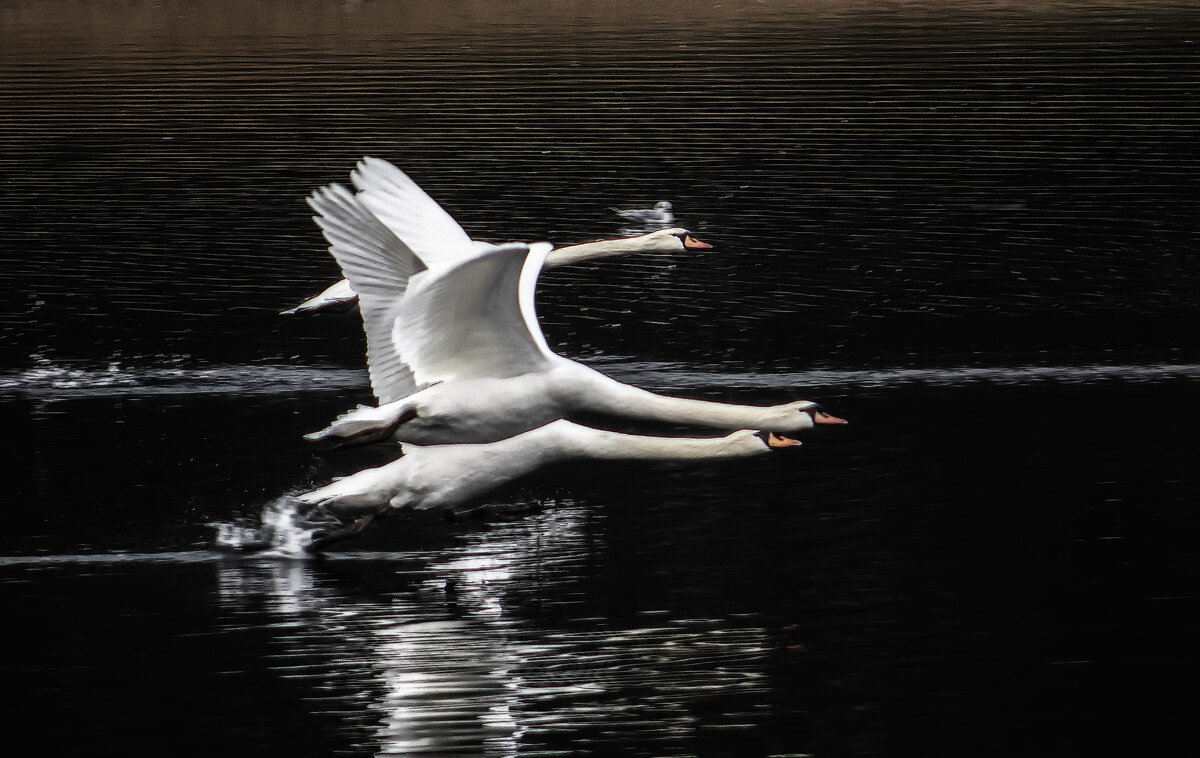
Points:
(454, 653)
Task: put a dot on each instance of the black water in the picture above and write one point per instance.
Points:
(969, 228)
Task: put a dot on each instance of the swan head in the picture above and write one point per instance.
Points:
(776, 441)
(819, 415)
(673, 240)
(805, 414)
(663, 206)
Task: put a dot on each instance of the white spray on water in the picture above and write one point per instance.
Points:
(286, 529)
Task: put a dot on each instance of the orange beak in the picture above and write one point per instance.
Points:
(778, 440)
(691, 243)
(821, 417)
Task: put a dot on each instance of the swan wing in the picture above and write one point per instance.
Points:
(475, 319)
(378, 267)
(337, 297)
(412, 215)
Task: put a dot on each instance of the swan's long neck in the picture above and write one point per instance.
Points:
(562, 440)
(606, 395)
(572, 254)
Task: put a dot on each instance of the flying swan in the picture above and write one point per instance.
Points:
(444, 476)
(396, 199)
(454, 350)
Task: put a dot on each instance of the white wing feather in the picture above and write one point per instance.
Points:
(378, 266)
(475, 319)
(411, 214)
(336, 297)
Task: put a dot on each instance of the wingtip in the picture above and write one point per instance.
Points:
(376, 173)
(331, 194)
(316, 305)
(363, 166)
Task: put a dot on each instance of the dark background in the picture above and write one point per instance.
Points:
(969, 228)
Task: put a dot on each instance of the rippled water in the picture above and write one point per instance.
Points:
(970, 228)
(879, 181)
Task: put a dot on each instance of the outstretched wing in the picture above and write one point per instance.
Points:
(378, 266)
(412, 215)
(475, 319)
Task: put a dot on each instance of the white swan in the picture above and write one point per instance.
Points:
(444, 476)
(396, 200)
(341, 296)
(456, 354)
(661, 213)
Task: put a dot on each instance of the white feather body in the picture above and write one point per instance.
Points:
(455, 350)
(442, 476)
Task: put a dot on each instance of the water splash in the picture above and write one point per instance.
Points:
(286, 529)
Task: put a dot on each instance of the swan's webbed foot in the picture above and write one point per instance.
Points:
(346, 532)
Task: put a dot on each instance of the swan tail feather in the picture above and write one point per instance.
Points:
(363, 425)
(369, 489)
(346, 494)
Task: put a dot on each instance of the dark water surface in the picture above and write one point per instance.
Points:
(970, 228)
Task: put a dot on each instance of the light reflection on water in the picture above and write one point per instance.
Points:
(642, 605)
(1014, 176)
(49, 381)
(453, 663)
